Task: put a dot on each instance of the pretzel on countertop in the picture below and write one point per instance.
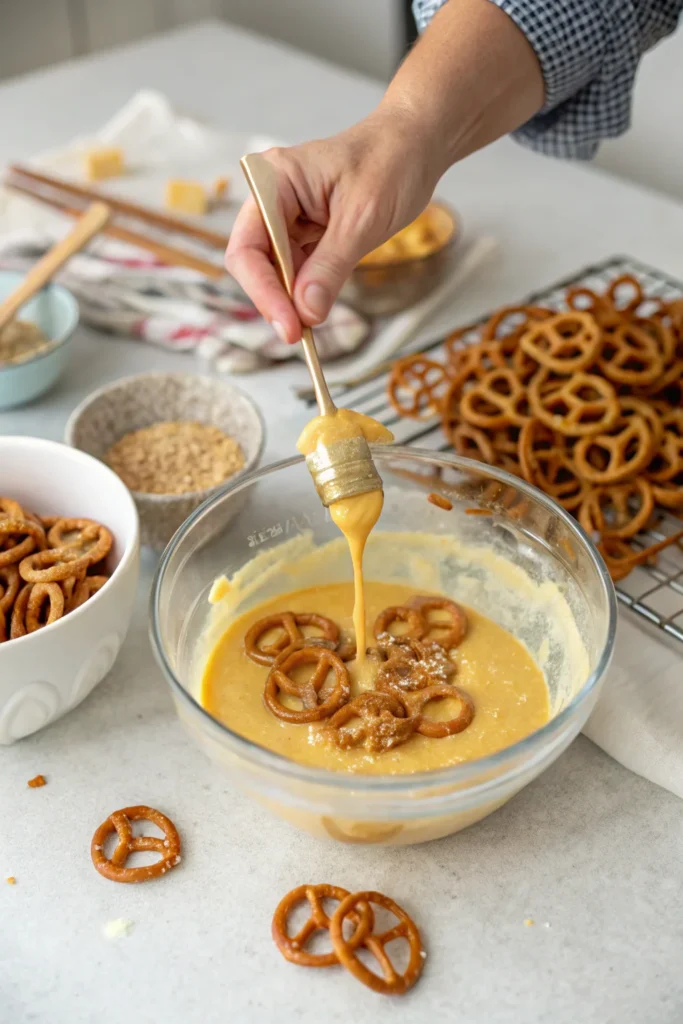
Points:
(119, 822)
(293, 948)
(392, 982)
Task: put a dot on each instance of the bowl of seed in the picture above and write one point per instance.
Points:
(173, 438)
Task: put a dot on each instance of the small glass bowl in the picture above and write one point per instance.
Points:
(382, 289)
(524, 562)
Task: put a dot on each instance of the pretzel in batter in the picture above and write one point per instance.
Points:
(382, 723)
(447, 632)
(288, 623)
(308, 691)
(417, 701)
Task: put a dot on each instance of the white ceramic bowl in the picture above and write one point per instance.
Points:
(136, 402)
(47, 673)
(55, 311)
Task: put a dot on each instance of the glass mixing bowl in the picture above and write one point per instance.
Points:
(504, 549)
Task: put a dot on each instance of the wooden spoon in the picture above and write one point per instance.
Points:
(92, 221)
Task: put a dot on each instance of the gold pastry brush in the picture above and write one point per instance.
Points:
(344, 468)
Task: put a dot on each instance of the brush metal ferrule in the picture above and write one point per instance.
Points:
(343, 469)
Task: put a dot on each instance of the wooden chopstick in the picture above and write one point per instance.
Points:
(122, 206)
(166, 253)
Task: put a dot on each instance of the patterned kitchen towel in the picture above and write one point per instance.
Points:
(128, 291)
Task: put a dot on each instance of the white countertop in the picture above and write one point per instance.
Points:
(589, 848)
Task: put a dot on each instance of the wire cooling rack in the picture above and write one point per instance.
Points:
(654, 592)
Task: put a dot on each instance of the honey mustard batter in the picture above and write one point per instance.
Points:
(506, 687)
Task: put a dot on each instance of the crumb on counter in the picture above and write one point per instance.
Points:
(11, 880)
(37, 781)
(529, 922)
(440, 501)
(118, 928)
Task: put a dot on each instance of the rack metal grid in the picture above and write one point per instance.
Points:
(654, 592)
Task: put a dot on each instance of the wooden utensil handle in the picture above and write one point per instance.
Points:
(92, 221)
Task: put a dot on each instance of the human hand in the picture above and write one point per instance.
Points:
(341, 197)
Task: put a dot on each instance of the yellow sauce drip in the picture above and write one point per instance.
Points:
(357, 516)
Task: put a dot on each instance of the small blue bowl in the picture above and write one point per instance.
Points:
(55, 311)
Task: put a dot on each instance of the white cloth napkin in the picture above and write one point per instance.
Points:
(639, 718)
(126, 290)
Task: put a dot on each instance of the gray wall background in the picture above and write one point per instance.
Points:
(361, 34)
(366, 35)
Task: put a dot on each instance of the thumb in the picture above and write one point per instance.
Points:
(321, 277)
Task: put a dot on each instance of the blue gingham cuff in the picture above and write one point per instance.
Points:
(589, 51)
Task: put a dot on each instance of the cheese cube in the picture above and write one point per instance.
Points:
(220, 188)
(186, 197)
(106, 162)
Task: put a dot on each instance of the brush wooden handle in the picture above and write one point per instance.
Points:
(92, 222)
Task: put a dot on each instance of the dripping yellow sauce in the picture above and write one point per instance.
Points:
(356, 517)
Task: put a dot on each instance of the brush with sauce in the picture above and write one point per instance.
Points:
(337, 442)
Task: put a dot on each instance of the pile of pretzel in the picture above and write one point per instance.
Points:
(355, 910)
(49, 566)
(586, 404)
(414, 669)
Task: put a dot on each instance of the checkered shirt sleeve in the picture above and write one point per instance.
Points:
(589, 52)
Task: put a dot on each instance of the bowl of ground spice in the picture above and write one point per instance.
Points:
(173, 438)
(35, 346)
